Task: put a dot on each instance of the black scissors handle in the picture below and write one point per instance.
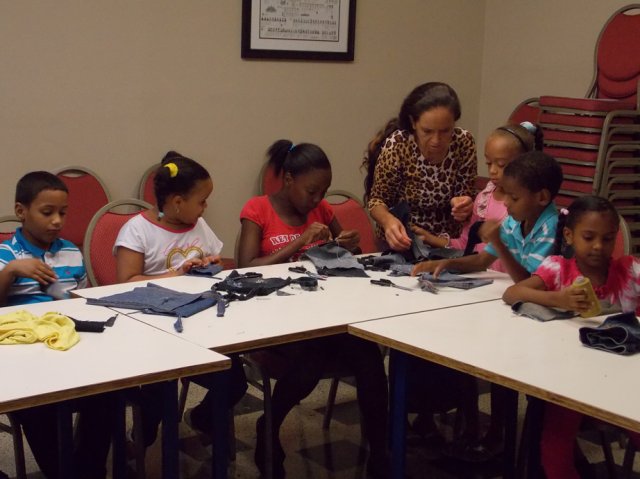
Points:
(381, 282)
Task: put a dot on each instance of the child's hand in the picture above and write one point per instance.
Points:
(422, 233)
(489, 232)
(32, 268)
(348, 239)
(207, 260)
(187, 265)
(461, 207)
(574, 299)
(316, 232)
(434, 267)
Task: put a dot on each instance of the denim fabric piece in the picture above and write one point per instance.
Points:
(451, 280)
(618, 334)
(210, 270)
(154, 299)
(382, 262)
(400, 269)
(333, 260)
(539, 312)
(245, 286)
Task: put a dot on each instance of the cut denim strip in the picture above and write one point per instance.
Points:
(210, 270)
(452, 280)
(333, 260)
(618, 334)
(539, 312)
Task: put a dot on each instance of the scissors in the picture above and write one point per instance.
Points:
(303, 270)
(386, 282)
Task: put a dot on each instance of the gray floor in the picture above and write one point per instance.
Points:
(312, 452)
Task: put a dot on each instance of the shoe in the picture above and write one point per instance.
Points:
(260, 453)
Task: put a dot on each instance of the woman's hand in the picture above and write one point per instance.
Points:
(32, 268)
(316, 232)
(489, 232)
(461, 208)
(396, 235)
(348, 239)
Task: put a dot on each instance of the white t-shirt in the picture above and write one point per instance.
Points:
(164, 248)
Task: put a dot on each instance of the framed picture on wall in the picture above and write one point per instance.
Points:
(299, 29)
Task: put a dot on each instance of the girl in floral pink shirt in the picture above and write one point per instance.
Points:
(590, 229)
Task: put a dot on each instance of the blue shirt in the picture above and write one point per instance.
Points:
(64, 258)
(537, 245)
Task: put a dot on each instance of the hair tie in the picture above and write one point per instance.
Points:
(293, 145)
(173, 169)
(530, 127)
(564, 211)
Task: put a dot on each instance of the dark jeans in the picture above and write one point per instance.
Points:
(150, 398)
(92, 436)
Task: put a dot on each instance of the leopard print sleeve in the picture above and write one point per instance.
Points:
(388, 178)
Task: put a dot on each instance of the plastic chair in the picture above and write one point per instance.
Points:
(352, 216)
(101, 235)
(145, 187)
(87, 194)
(269, 182)
(8, 226)
(13, 428)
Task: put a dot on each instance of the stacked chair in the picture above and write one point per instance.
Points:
(597, 139)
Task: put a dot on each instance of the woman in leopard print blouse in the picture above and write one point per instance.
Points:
(423, 159)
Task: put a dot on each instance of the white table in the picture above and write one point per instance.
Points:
(128, 354)
(273, 319)
(545, 360)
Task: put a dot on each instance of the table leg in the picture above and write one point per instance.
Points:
(220, 444)
(398, 377)
(65, 439)
(510, 432)
(119, 436)
(170, 451)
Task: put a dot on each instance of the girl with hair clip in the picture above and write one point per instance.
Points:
(276, 229)
(589, 228)
(168, 241)
(503, 145)
(422, 159)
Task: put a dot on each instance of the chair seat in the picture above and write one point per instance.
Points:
(590, 106)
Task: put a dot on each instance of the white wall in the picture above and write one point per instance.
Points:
(113, 85)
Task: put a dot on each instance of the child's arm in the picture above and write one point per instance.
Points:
(429, 238)
(348, 239)
(466, 264)
(533, 290)
(251, 236)
(130, 266)
(24, 268)
(490, 233)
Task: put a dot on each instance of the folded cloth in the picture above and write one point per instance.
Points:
(452, 280)
(154, 299)
(53, 329)
(539, 312)
(333, 260)
(210, 270)
(618, 334)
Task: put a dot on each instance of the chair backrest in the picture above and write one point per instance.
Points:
(623, 240)
(145, 187)
(101, 236)
(527, 110)
(269, 182)
(8, 226)
(352, 216)
(617, 57)
(87, 194)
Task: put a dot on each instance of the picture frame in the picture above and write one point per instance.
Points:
(298, 30)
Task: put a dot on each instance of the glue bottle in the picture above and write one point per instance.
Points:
(585, 284)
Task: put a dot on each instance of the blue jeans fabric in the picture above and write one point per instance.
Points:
(333, 260)
(154, 299)
(455, 280)
(618, 334)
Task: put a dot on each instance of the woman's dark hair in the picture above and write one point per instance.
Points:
(527, 135)
(285, 157)
(176, 175)
(536, 171)
(423, 98)
(571, 217)
(31, 184)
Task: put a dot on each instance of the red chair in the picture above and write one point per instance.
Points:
(527, 110)
(101, 236)
(145, 187)
(352, 216)
(8, 226)
(269, 182)
(87, 194)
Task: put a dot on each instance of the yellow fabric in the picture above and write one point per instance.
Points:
(53, 329)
